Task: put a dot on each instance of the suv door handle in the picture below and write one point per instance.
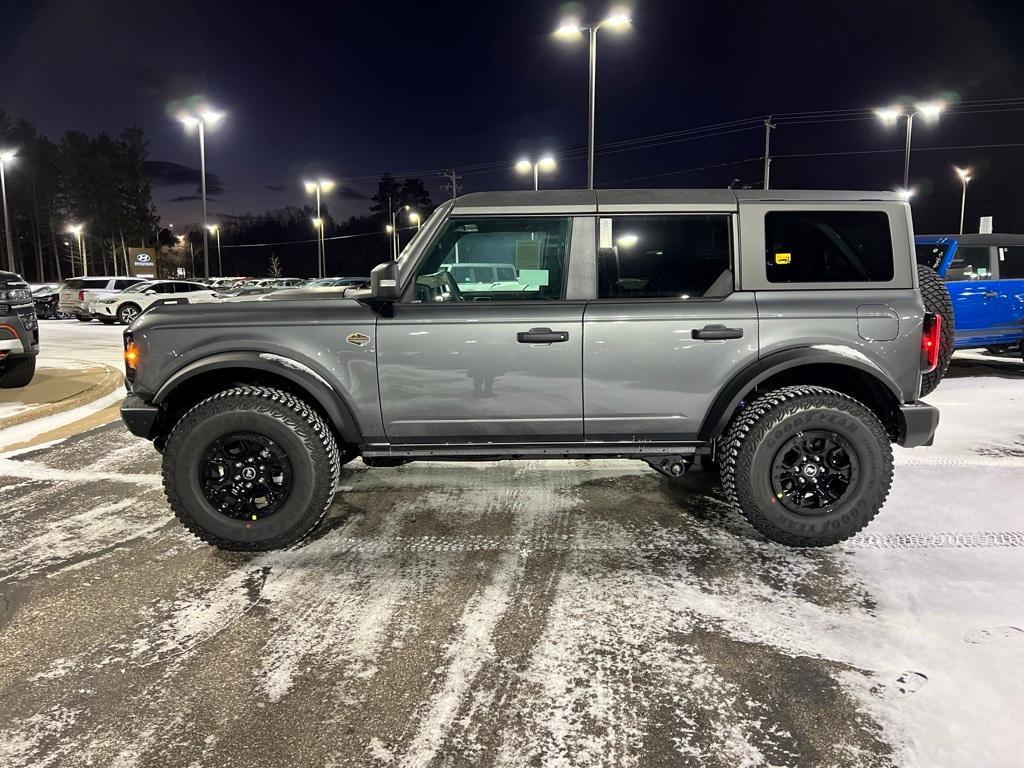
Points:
(991, 294)
(541, 336)
(717, 333)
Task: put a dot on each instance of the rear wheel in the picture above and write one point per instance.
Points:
(251, 468)
(936, 299)
(807, 466)
(17, 372)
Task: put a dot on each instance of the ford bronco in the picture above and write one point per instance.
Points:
(781, 336)
(985, 278)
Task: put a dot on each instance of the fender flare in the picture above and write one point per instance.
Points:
(731, 394)
(301, 375)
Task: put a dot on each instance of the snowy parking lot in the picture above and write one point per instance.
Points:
(520, 613)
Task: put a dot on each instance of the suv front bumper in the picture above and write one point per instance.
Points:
(19, 331)
(918, 422)
(139, 416)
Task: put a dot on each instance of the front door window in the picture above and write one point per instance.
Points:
(495, 259)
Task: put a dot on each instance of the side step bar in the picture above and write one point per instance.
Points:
(494, 451)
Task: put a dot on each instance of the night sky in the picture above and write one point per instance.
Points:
(349, 90)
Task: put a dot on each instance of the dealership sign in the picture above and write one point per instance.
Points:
(142, 262)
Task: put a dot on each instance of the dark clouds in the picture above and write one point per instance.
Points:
(167, 174)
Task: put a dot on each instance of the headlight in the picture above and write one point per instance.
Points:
(15, 294)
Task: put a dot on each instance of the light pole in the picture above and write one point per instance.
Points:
(200, 120)
(215, 228)
(929, 111)
(76, 230)
(571, 29)
(393, 228)
(546, 163)
(323, 186)
(965, 177)
(6, 156)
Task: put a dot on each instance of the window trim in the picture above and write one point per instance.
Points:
(733, 240)
(409, 290)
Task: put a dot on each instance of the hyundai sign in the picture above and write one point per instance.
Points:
(143, 262)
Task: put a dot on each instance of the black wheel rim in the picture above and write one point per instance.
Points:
(814, 471)
(245, 476)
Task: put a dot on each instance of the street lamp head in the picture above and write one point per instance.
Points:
(524, 166)
(546, 163)
(889, 115)
(310, 186)
(6, 155)
(569, 29)
(189, 121)
(326, 185)
(211, 117)
(414, 217)
(213, 227)
(964, 174)
(617, 20)
(75, 229)
(318, 222)
(930, 110)
(388, 228)
(905, 194)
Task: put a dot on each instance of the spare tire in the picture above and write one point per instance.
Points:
(936, 299)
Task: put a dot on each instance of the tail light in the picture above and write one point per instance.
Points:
(931, 339)
(81, 295)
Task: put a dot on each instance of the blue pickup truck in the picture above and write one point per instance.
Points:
(985, 278)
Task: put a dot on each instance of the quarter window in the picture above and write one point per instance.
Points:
(679, 257)
(1011, 262)
(828, 247)
(496, 259)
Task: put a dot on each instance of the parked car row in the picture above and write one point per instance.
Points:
(113, 299)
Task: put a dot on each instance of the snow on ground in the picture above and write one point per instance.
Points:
(519, 614)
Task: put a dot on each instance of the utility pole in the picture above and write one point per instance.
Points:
(768, 125)
(453, 181)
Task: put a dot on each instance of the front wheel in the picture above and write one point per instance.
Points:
(807, 466)
(128, 313)
(17, 372)
(251, 468)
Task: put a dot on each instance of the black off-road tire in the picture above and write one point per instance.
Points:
(756, 435)
(294, 426)
(17, 372)
(936, 299)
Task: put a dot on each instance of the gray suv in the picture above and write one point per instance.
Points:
(19, 332)
(780, 336)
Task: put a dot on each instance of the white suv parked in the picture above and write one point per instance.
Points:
(126, 306)
(77, 293)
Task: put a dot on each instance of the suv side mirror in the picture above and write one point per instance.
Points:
(384, 287)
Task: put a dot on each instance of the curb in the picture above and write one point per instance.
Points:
(107, 383)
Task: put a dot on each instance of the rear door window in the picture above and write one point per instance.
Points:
(1011, 262)
(970, 262)
(663, 257)
(94, 284)
(828, 247)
